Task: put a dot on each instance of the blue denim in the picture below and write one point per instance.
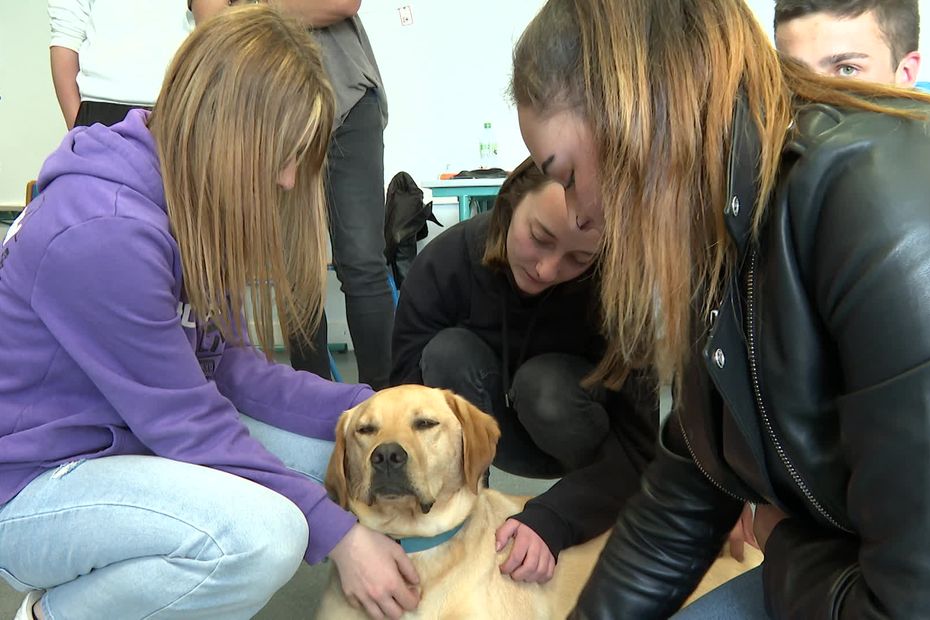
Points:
(147, 537)
(741, 598)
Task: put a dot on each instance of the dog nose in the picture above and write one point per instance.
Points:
(388, 456)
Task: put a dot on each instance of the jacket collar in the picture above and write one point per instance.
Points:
(742, 174)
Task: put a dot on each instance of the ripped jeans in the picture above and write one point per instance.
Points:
(146, 537)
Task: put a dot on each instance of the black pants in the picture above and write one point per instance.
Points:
(554, 425)
(355, 192)
(91, 112)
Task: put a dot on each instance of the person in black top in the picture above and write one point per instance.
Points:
(503, 310)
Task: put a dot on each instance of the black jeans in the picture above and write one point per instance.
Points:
(554, 425)
(355, 193)
(90, 112)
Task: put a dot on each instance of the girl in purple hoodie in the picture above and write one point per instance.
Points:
(152, 462)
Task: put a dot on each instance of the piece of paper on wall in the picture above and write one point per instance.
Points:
(406, 15)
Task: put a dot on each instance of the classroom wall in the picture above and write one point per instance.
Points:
(30, 121)
(447, 74)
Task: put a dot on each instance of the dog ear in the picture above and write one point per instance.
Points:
(336, 484)
(480, 433)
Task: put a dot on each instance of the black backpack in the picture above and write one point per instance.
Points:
(405, 218)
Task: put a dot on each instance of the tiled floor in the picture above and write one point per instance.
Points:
(297, 599)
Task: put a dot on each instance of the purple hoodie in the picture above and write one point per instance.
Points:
(99, 355)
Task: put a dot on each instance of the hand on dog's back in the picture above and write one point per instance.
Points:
(375, 573)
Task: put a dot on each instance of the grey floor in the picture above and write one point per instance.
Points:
(299, 597)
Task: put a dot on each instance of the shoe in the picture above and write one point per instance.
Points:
(25, 610)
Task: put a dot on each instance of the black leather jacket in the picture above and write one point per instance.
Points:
(810, 391)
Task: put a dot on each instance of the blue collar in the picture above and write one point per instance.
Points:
(412, 544)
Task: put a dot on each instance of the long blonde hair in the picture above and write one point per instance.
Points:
(657, 81)
(245, 95)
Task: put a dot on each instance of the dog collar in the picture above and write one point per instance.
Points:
(412, 544)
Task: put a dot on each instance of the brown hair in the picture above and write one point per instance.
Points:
(525, 179)
(245, 95)
(657, 81)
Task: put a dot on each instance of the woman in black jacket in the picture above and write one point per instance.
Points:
(767, 248)
(503, 310)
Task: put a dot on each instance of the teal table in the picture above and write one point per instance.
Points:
(464, 190)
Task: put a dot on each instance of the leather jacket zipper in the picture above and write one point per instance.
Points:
(757, 391)
(701, 467)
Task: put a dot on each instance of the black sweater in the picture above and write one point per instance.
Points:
(449, 287)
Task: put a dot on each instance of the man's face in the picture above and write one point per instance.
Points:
(851, 47)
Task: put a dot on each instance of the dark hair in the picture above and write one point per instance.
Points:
(525, 179)
(899, 20)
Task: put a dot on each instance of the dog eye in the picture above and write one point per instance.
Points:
(422, 424)
(366, 429)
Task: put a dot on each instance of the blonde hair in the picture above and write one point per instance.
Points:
(245, 95)
(657, 81)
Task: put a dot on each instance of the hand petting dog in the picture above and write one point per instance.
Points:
(385, 586)
(530, 559)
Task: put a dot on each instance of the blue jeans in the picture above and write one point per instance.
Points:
(741, 598)
(147, 537)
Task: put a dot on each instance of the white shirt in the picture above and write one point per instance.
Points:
(123, 46)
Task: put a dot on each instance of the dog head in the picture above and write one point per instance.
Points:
(407, 448)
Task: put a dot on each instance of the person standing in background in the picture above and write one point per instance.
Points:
(872, 40)
(355, 193)
(354, 186)
(109, 56)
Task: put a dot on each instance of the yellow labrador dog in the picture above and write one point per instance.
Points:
(409, 462)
